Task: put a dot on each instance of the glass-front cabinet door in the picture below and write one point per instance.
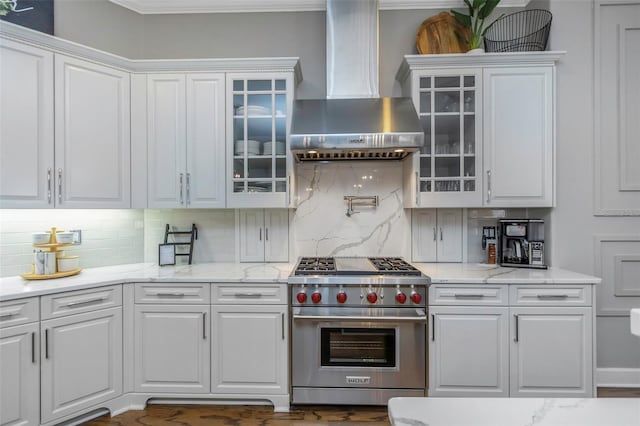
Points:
(447, 167)
(258, 155)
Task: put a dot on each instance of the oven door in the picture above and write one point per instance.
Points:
(358, 347)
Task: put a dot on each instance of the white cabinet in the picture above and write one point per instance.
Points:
(519, 137)
(81, 361)
(186, 140)
(172, 341)
(92, 135)
(264, 235)
(26, 126)
(551, 352)
(250, 349)
(436, 235)
(20, 363)
(489, 130)
(250, 354)
(511, 340)
(259, 164)
(445, 170)
(469, 351)
(172, 348)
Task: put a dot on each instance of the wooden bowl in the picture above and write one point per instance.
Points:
(442, 34)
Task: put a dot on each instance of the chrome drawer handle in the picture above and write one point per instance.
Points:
(468, 296)
(248, 295)
(552, 296)
(85, 302)
(170, 294)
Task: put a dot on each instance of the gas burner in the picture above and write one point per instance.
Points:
(393, 265)
(315, 265)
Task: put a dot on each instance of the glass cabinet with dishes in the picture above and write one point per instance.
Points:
(446, 168)
(258, 158)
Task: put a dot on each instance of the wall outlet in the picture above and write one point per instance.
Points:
(77, 236)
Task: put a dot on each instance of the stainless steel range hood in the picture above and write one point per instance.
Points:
(354, 123)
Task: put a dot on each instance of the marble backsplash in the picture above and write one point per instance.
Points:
(320, 226)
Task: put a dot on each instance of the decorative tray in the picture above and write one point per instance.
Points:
(32, 276)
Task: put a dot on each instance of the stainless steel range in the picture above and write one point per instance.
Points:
(358, 330)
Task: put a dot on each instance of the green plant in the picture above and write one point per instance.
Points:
(479, 10)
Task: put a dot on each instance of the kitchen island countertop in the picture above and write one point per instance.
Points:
(460, 273)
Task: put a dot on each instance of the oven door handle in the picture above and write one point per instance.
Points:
(419, 318)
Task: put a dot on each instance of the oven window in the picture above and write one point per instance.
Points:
(358, 347)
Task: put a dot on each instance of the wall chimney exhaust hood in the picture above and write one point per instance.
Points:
(353, 123)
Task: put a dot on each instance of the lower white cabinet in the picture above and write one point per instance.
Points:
(551, 352)
(469, 351)
(20, 373)
(264, 235)
(538, 342)
(436, 235)
(250, 349)
(81, 361)
(172, 348)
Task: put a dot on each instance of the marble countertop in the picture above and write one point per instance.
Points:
(17, 287)
(514, 412)
(479, 273)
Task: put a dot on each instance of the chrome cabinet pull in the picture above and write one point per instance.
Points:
(488, 186)
(433, 328)
(289, 189)
(260, 234)
(435, 234)
(33, 347)
(49, 185)
(46, 343)
(85, 302)
(282, 318)
(180, 185)
(59, 186)
(188, 188)
(248, 295)
(266, 234)
(552, 296)
(440, 233)
(170, 294)
(204, 325)
(417, 189)
(517, 331)
(468, 296)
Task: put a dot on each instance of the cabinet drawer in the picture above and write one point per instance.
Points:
(74, 302)
(171, 293)
(20, 311)
(248, 294)
(551, 295)
(471, 294)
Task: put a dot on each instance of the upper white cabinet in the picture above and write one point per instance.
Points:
(26, 126)
(259, 164)
(436, 235)
(186, 145)
(518, 137)
(264, 235)
(92, 135)
(489, 129)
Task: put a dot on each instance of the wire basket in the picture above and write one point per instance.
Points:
(527, 30)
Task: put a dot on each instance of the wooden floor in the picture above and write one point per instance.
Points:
(244, 415)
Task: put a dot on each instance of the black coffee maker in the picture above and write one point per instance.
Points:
(521, 243)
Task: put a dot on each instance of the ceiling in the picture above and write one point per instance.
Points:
(225, 6)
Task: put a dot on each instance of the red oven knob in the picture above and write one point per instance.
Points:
(372, 297)
(416, 297)
(341, 297)
(302, 297)
(316, 297)
(401, 297)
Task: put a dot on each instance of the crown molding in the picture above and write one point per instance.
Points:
(59, 45)
(149, 7)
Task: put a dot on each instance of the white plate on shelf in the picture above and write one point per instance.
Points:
(253, 147)
(256, 189)
(253, 110)
(280, 148)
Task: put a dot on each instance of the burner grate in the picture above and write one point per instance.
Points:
(393, 265)
(313, 265)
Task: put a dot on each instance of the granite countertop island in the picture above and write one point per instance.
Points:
(514, 412)
(462, 273)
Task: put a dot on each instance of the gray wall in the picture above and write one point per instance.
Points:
(101, 24)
